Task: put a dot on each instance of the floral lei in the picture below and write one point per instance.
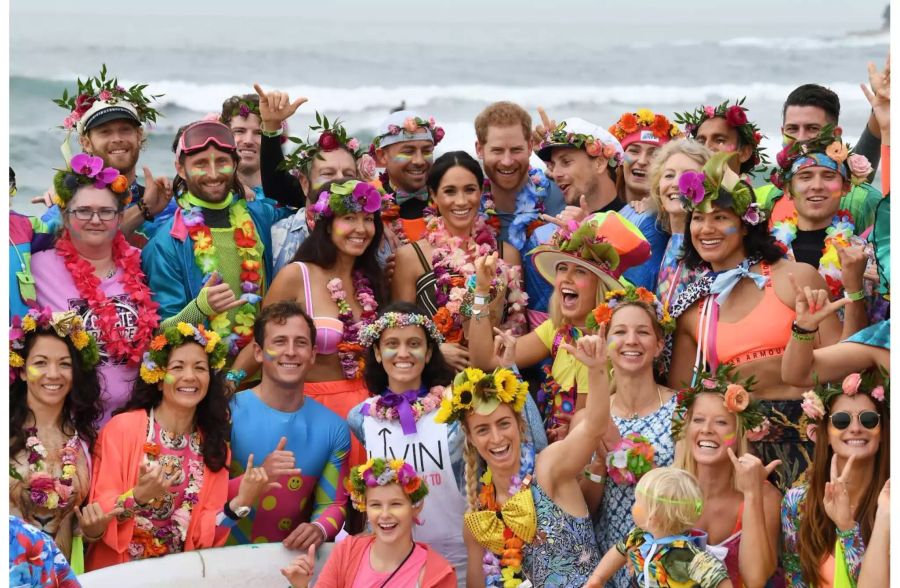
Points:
(44, 490)
(506, 571)
(118, 345)
(630, 459)
(529, 207)
(349, 349)
(839, 234)
(423, 405)
(239, 332)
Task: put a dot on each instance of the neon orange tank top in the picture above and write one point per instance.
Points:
(763, 333)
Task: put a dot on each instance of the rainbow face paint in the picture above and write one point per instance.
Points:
(389, 354)
(269, 354)
(197, 173)
(730, 230)
(402, 158)
(419, 353)
(729, 439)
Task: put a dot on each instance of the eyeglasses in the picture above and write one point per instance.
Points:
(867, 418)
(199, 135)
(87, 214)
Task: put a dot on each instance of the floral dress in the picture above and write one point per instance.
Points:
(35, 560)
(160, 527)
(613, 520)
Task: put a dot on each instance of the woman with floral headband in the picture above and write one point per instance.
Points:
(335, 277)
(437, 272)
(161, 463)
(526, 517)
(405, 367)
(96, 273)
(583, 263)
(54, 408)
(827, 521)
(714, 422)
(392, 495)
(641, 133)
(741, 276)
(666, 170)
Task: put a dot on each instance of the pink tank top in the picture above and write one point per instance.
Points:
(406, 576)
(731, 547)
(329, 330)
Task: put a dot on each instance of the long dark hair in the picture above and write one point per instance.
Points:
(758, 241)
(319, 249)
(212, 416)
(436, 373)
(448, 161)
(81, 409)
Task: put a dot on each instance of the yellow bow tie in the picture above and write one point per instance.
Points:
(519, 515)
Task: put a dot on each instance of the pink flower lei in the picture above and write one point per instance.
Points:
(349, 349)
(43, 489)
(421, 407)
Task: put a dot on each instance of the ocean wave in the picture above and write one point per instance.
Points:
(810, 43)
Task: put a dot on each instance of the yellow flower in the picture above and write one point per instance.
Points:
(212, 339)
(152, 376)
(463, 395)
(474, 374)
(80, 339)
(219, 364)
(521, 397)
(645, 116)
(68, 470)
(202, 242)
(52, 500)
(506, 384)
(28, 323)
(186, 329)
(444, 412)
(396, 464)
(15, 360)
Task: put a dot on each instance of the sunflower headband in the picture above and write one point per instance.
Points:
(64, 324)
(736, 117)
(827, 150)
(153, 367)
(88, 170)
(347, 198)
(472, 389)
(397, 320)
(816, 401)
(380, 472)
(603, 313)
(735, 395)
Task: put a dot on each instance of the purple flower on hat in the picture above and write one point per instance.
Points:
(86, 165)
(367, 196)
(691, 186)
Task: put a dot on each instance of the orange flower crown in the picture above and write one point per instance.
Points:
(603, 313)
(631, 122)
(735, 395)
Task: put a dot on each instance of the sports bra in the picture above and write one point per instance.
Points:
(329, 330)
(763, 333)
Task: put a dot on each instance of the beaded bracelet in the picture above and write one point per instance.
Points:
(795, 328)
(145, 210)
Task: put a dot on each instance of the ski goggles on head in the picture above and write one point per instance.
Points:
(200, 135)
(867, 418)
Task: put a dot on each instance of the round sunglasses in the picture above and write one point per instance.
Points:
(867, 418)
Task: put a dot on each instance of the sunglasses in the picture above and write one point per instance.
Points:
(867, 418)
(201, 135)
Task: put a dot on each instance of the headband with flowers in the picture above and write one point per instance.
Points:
(63, 324)
(603, 313)
(594, 146)
(735, 395)
(632, 126)
(153, 368)
(816, 401)
(380, 472)
(347, 198)
(332, 136)
(718, 184)
(411, 126)
(88, 170)
(472, 389)
(396, 320)
(109, 91)
(825, 150)
(736, 117)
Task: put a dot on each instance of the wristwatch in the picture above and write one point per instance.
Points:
(234, 515)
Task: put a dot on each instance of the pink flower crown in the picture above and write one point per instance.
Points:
(380, 472)
(411, 125)
(348, 197)
(816, 401)
(371, 332)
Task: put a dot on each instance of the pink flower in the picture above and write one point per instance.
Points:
(105, 95)
(410, 125)
(782, 159)
(594, 148)
(393, 130)
(64, 492)
(812, 405)
(851, 383)
(735, 116)
(878, 393)
(438, 134)
(431, 122)
(328, 142)
(709, 111)
(811, 431)
(69, 121)
(609, 151)
(41, 482)
(353, 144)
(759, 432)
(859, 165)
(105, 177)
(87, 165)
(366, 167)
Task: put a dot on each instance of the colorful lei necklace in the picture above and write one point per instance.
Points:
(239, 332)
(117, 344)
(529, 207)
(169, 538)
(349, 349)
(839, 234)
(506, 571)
(45, 490)
(387, 408)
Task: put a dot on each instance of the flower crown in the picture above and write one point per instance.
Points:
(64, 324)
(735, 395)
(244, 108)
(108, 90)
(824, 150)
(411, 125)
(347, 198)
(816, 401)
(718, 184)
(593, 146)
(332, 136)
(603, 313)
(153, 367)
(380, 472)
(736, 117)
(395, 320)
(472, 389)
(630, 459)
(658, 124)
(84, 169)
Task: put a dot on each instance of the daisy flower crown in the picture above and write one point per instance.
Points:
(153, 367)
(816, 401)
(473, 389)
(826, 149)
(736, 117)
(395, 320)
(88, 170)
(381, 472)
(603, 313)
(735, 393)
(346, 198)
(64, 324)
(332, 136)
(107, 90)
